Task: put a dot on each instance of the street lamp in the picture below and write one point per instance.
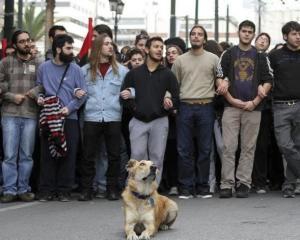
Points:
(116, 6)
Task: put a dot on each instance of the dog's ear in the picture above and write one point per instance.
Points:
(131, 163)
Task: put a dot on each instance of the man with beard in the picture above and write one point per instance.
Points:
(19, 118)
(149, 126)
(249, 82)
(60, 77)
(195, 72)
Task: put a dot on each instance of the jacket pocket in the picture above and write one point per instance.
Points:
(115, 87)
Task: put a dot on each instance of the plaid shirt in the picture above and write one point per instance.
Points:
(18, 77)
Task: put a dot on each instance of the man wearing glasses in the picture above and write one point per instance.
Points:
(19, 118)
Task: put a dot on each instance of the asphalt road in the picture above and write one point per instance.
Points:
(260, 217)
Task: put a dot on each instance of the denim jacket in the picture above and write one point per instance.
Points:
(103, 100)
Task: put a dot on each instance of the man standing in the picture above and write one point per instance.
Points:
(249, 82)
(60, 77)
(149, 126)
(19, 118)
(53, 31)
(196, 74)
(286, 103)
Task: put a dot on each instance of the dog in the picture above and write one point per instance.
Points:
(145, 210)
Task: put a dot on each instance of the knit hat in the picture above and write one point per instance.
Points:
(176, 41)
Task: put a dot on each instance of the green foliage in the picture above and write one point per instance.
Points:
(34, 23)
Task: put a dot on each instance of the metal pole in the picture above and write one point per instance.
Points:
(20, 14)
(8, 19)
(116, 27)
(173, 19)
(196, 12)
(187, 30)
(227, 24)
(217, 20)
(259, 16)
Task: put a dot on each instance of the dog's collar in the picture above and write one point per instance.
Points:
(140, 196)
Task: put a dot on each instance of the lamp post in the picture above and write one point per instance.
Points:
(116, 6)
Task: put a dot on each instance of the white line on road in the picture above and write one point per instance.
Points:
(19, 206)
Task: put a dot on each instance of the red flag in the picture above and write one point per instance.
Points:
(4, 46)
(87, 43)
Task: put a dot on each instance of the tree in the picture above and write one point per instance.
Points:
(34, 24)
(50, 5)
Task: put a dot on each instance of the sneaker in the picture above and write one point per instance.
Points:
(173, 191)
(85, 196)
(100, 194)
(45, 197)
(112, 195)
(26, 197)
(185, 194)
(297, 189)
(64, 197)
(225, 193)
(288, 193)
(8, 198)
(261, 190)
(204, 194)
(242, 191)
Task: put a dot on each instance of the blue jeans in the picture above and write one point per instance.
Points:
(194, 120)
(18, 146)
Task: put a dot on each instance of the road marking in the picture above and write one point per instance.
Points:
(19, 206)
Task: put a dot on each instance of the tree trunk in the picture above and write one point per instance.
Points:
(50, 5)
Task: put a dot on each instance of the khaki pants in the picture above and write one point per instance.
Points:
(237, 122)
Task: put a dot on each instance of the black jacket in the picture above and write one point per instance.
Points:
(150, 89)
(286, 66)
(262, 71)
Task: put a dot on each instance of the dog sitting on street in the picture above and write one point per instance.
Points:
(146, 211)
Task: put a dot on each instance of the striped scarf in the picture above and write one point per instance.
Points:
(52, 126)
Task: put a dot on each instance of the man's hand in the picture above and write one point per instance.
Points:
(30, 94)
(19, 98)
(40, 101)
(80, 93)
(125, 94)
(65, 111)
(168, 103)
(261, 92)
(238, 103)
(222, 87)
(249, 106)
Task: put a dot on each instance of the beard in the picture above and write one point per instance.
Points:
(153, 58)
(195, 47)
(66, 58)
(24, 51)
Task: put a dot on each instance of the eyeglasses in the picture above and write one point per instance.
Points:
(24, 41)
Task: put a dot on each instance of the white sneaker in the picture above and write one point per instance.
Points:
(205, 195)
(185, 194)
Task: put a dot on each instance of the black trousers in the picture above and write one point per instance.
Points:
(57, 175)
(268, 160)
(92, 132)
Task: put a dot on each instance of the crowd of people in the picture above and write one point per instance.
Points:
(213, 117)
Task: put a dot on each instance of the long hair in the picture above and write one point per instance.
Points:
(95, 56)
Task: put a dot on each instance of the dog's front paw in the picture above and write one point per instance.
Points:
(132, 236)
(163, 227)
(144, 236)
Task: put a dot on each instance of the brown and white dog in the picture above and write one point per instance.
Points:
(146, 211)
